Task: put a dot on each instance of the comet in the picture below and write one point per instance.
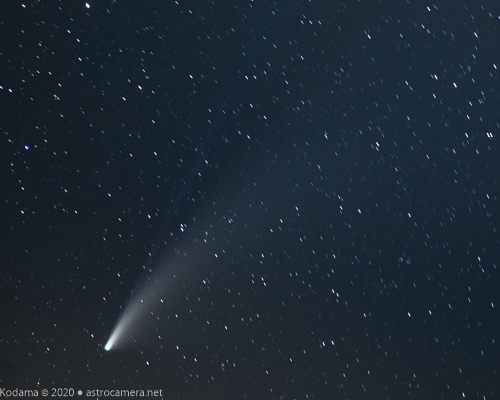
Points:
(167, 268)
(130, 320)
(118, 331)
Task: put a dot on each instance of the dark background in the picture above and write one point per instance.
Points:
(306, 192)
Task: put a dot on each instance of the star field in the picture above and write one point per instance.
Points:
(287, 200)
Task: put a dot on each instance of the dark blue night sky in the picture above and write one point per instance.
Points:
(278, 200)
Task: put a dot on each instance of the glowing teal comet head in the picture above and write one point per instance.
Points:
(108, 346)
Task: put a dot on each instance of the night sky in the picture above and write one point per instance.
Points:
(297, 199)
